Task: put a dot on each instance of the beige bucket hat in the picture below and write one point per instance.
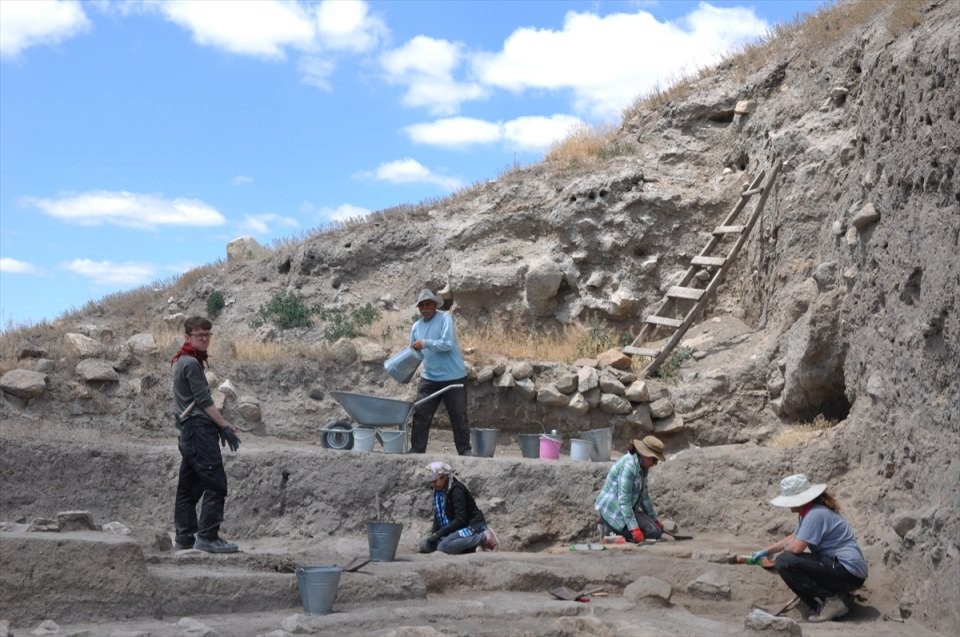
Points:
(650, 446)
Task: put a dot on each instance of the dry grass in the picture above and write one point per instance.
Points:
(800, 435)
(567, 343)
(584, 143)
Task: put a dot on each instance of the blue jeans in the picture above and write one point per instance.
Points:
(201, 477)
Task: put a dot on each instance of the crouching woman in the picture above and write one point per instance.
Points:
(458, 524)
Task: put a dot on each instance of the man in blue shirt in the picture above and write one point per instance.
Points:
(435, 336)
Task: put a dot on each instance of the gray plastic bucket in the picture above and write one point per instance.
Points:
(318, 588)
(363, 438)
(529, 445)
(383, 538)
(393, 441)
(483, 441)
(601, 441)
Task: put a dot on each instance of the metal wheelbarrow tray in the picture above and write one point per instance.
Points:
(374, 411)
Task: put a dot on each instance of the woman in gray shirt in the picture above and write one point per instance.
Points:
(824, 577)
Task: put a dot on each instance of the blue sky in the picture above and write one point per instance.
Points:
(138, 138)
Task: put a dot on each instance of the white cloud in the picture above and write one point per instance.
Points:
(15, 266)
(523, 133)
(262, 29)
(129, 210)
(316, 71)
(538, 133)
(426, 66)
(410, 171)
(454, 131)
(109, 273)
(240, 180)
(26, 24)
(264, 224)
(348, 25)
(607, 61)
(343, 212)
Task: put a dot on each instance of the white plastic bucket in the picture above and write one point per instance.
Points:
(580, 449)
(318, 588)
(363, 438)
(550, 447)
(393, 441)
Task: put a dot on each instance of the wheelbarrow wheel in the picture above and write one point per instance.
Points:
(341, 439)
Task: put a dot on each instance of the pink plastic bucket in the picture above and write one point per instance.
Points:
(550, 447)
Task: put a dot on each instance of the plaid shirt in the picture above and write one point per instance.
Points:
(624, 488)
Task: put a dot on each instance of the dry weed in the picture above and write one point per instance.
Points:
(800, 435)
(494, 342)
(584, 143)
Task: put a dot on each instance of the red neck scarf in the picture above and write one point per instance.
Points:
(189, 350)
(806, 508)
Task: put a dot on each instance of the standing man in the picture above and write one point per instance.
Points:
(435, 337)
(203, 429)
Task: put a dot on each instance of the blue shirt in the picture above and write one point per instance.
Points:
(440, 511)
(827, 533)
(441, 353)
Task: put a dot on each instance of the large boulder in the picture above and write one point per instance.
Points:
(23, 383)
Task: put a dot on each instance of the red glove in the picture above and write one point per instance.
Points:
(637, 535)
(659, 524)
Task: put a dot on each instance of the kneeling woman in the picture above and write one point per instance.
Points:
(624, 504)
(823, 578)
(458, 524)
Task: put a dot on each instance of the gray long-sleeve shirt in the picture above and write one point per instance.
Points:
(190, 385)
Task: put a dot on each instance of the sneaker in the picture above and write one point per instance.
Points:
(490, 542)
(218, 545)
(833, 608)
(182, 546)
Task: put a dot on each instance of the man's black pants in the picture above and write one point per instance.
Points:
(454, 400)
(201, 476)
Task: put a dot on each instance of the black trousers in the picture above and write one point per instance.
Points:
(646, 523)
(201, 477)
(815, 576)
(454, 400)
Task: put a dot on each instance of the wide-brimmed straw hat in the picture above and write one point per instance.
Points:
(428, 295)
(650, 446)
(796, 490)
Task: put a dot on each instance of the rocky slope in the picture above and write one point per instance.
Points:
(847, 292)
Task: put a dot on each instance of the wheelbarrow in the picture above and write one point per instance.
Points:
(371, 411)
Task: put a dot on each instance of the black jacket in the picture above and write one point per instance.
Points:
(461, 510)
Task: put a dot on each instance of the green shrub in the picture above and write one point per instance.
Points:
(343, 323)
(215, 303)
(670, 368)
(285, 310)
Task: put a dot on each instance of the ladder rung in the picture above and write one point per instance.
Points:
(728, 229)
(752, 191)
(630, 350)
(663, 320)
(678, 292)
(715, 261)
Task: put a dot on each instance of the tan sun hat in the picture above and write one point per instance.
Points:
(428, 295)
(796, 490)
(650, 446)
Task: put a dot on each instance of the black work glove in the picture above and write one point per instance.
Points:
(227, 437)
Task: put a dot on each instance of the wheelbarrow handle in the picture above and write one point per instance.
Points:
(437, 393)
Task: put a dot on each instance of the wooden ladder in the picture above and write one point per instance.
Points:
(683, 302)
